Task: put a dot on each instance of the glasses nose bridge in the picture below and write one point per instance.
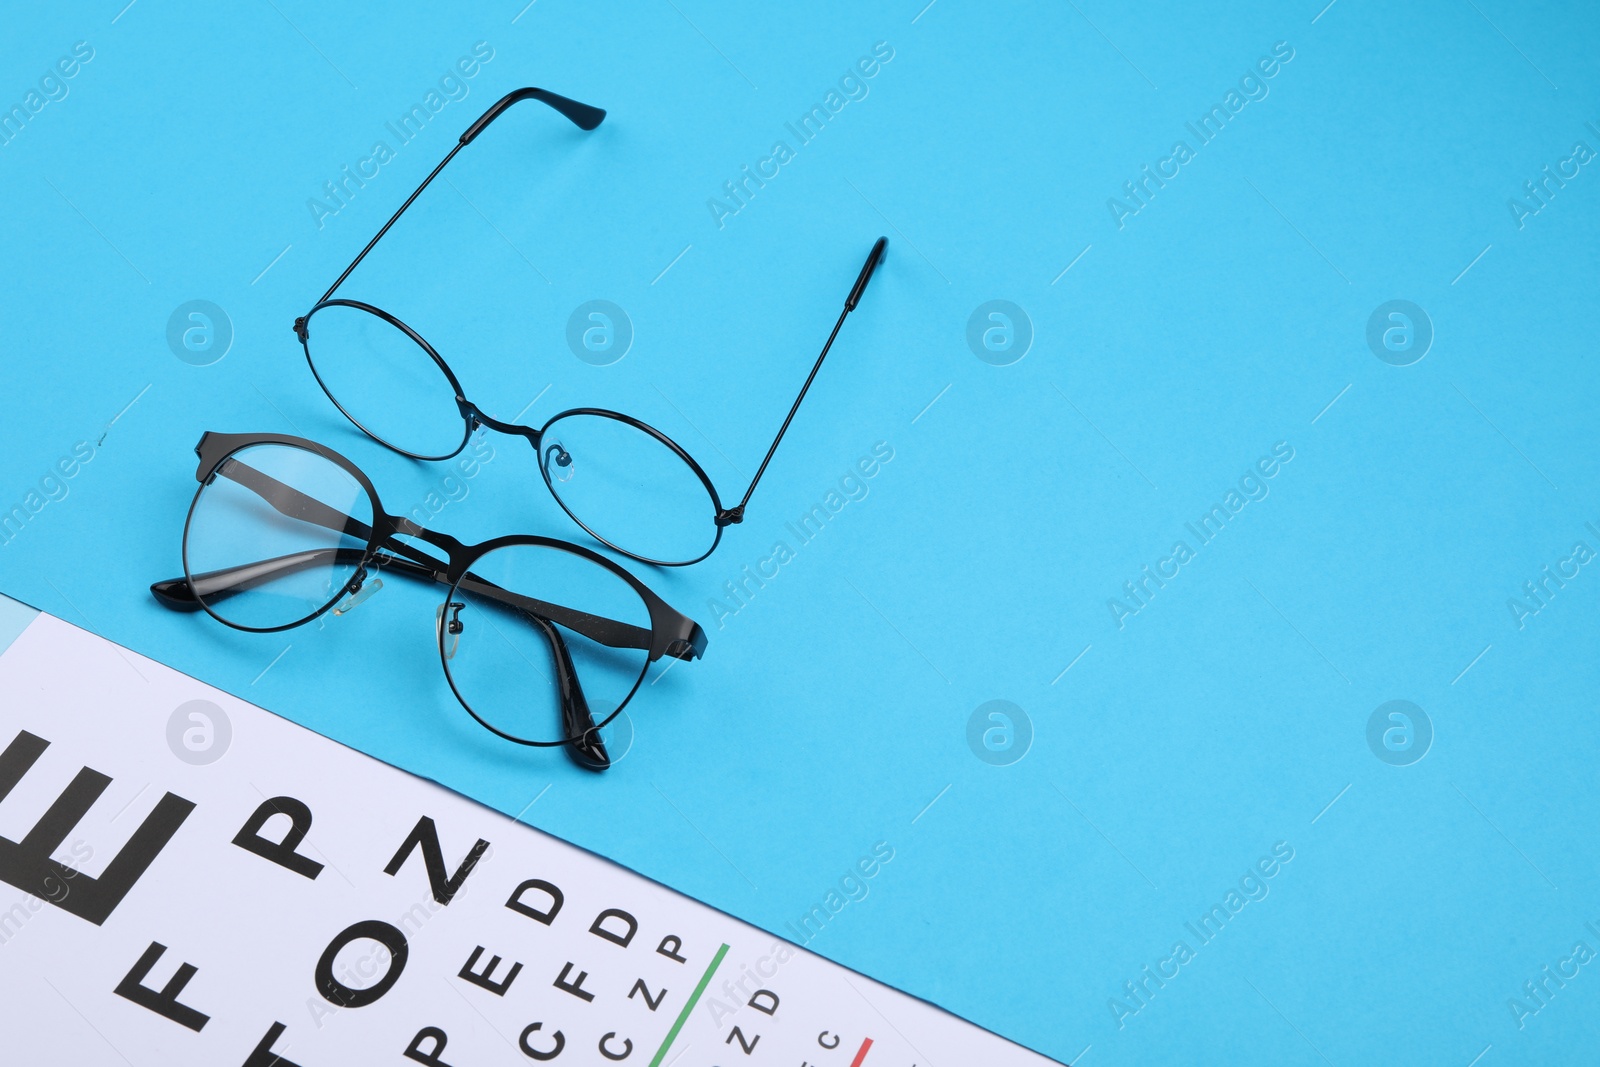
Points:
(475, 418)
(453, 549)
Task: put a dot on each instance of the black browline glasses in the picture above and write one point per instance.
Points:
(543, 642)
(629, 485)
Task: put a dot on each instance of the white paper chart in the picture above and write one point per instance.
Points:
(188, 879)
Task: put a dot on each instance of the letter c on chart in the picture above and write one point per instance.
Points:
(560, 1043)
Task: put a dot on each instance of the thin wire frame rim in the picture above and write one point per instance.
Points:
(535, 436)
(586, 117)
(422, 343)
(678, 450)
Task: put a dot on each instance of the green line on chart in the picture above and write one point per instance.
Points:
(694, 998)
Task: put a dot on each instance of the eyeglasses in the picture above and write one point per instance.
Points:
(629, 485)
(543, 642)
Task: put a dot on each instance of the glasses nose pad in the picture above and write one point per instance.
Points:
(451, 629)
(360, 592)
(558, 462)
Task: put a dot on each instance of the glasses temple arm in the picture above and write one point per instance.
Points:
(186, 594)
(581, 115)
(736, 513)
(299, 324)
(588, 748)
(291, 502)
(180, 595)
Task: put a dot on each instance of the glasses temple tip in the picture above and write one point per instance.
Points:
(873, 259)
(175, 594)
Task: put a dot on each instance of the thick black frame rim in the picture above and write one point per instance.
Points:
(417, 339)
(515, 541)
(378, 524)
(677, 450)
(667, 631)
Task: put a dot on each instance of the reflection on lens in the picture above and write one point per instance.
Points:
(385, 382)
(628, 488)
(274, 536)
(539, 642)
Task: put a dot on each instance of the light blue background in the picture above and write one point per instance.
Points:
(830, 711)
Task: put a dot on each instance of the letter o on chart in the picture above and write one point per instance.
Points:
(335, 991)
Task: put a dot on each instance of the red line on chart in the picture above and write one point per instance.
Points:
(861, 1054)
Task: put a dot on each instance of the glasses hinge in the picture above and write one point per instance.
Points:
(730, 516)
(300, 327)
